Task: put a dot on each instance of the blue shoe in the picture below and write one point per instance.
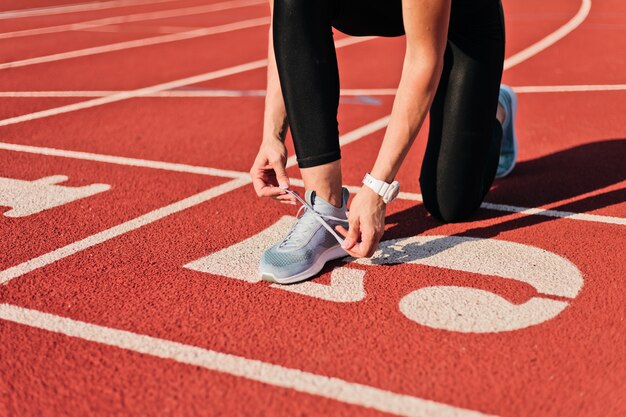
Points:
(310, 243)
(508, 150)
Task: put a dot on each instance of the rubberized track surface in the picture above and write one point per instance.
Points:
(130, 231)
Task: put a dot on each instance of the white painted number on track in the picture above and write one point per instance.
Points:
(31, 197)
(453, 308)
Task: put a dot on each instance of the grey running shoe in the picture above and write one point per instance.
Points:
(508, 150)
(311, 242)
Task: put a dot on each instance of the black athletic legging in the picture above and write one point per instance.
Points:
(464, 139)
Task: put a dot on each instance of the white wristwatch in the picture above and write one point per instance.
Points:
(387, 191)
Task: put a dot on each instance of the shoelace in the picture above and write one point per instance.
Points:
(319, 217)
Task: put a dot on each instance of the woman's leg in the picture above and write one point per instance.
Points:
(464, 139)
(309, 78)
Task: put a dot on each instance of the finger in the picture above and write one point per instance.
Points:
(353, 235)
(263, 181)
(286, 198)
(341, 230)
(281, 174)
(270, 191)
(367, 243)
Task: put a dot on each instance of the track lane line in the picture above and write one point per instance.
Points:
(268, 373)
(551, 39)
(73, 8)
(125, 95)
(344, 140)
(217, 93)
(138, 43)
(136, 17)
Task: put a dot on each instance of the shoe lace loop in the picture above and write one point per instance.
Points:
(305, 224)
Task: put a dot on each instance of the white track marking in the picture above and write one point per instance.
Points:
(128, 226)
(154, 40)
(252, 369)
(464, 309)
(551, 39)
(346, 283)
(569, 88)
(449, 308)
(72, 8)
(366, 130)
(136, 17)
(200, 93)
(120, 160)
(240, 180)
(26, 198)
(157, 40)
(346, 286)
(125, 95)
(556, 213)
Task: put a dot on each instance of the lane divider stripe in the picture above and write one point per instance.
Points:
(137, 43)
(261, 93)
(551, 39)
(125, 95)
(238, 366)
(136, 17)
(73, 8)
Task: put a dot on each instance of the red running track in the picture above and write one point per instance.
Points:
(139, 299)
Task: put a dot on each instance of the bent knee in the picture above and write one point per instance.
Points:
(450, 210)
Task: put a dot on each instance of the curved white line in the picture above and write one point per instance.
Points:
(552, 38)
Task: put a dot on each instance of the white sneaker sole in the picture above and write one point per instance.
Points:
(330, 254)
(514, 111)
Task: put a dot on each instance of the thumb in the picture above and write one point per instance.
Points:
(281, 174)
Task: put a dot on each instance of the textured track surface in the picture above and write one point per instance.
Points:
(129, 232)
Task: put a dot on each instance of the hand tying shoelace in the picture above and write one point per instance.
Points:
(317, 216)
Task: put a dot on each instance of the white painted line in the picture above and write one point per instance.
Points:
(557, 213)
(268, 373)
(115, 231)
(354, 135)
(137, 17)
(154, 40)
(120, 160)
(176, 93)
(569, 88)
(203, 93)
(125, 95)
(551, 39)
(72, 8)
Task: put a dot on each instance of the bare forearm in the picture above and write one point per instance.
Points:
(275, 115)
(413, 99)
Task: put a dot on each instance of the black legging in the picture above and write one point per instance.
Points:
(464, 139)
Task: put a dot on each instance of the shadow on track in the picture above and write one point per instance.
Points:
(546, 180)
